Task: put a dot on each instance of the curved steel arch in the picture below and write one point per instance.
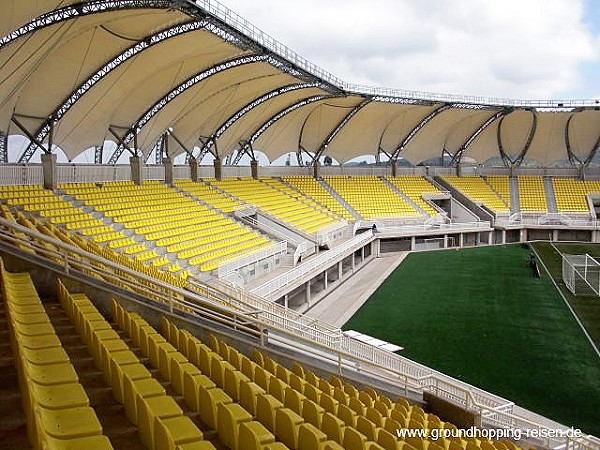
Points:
(339, 127)
(80, 10)
(183, 87)
(574, 158)
(458, 155)
(104, 71)
(260, 130)
(519, 159)
(249, 107)
(415, 130)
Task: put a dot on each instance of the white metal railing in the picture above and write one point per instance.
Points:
(400, 228)
(243, 310)
(301, 270)
(549, 219)
(233, 278)
(251, 258)
(239, 23)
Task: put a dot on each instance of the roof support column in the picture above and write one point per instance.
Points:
(49, 171)
(3, 148)
(316, 166)
(254, 168)
(168, 163)
(135, 162)
(193, 169)
(98, 152)
(218, 169)
(582, 174)
(394, 165)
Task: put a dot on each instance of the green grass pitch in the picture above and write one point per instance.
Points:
(481, 316)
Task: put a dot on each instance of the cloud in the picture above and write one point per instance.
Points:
(513, 48)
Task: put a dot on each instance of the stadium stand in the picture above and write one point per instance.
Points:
(278, 200)
(55, 403)
(571, 195)
(207, 194)
(198, 235)
(476, 188)
(311, 187)
(532, 194)
(501, 185)
(358, 192)
(415, 187)
(248, 402)
(156, 247)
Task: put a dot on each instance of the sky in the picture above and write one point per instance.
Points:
(519, 49)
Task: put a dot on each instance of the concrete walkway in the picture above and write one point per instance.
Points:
(341, 304)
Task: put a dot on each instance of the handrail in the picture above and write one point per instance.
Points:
(304, 333)
(548, 220)
(389, 227)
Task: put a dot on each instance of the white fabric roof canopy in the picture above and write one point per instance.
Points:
(179, 69)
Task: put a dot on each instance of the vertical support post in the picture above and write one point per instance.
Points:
(49, 171)
(308, 293)
(135, 162)
(316, 169)
(445, 241)
(3, 147)
(51, 136)
(413, 243)
(523, 235)
(286, 299)
(218, 169)
(135, 140)
(340, 270)
(325, 278)
(461, 240)
(254, 168)
(394, 168)
(194, 169)
(582, 172)
(168, 163)
(98, 150)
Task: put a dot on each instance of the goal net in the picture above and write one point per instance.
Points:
(581, 274)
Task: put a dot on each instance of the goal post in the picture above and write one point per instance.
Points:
(581, 274)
